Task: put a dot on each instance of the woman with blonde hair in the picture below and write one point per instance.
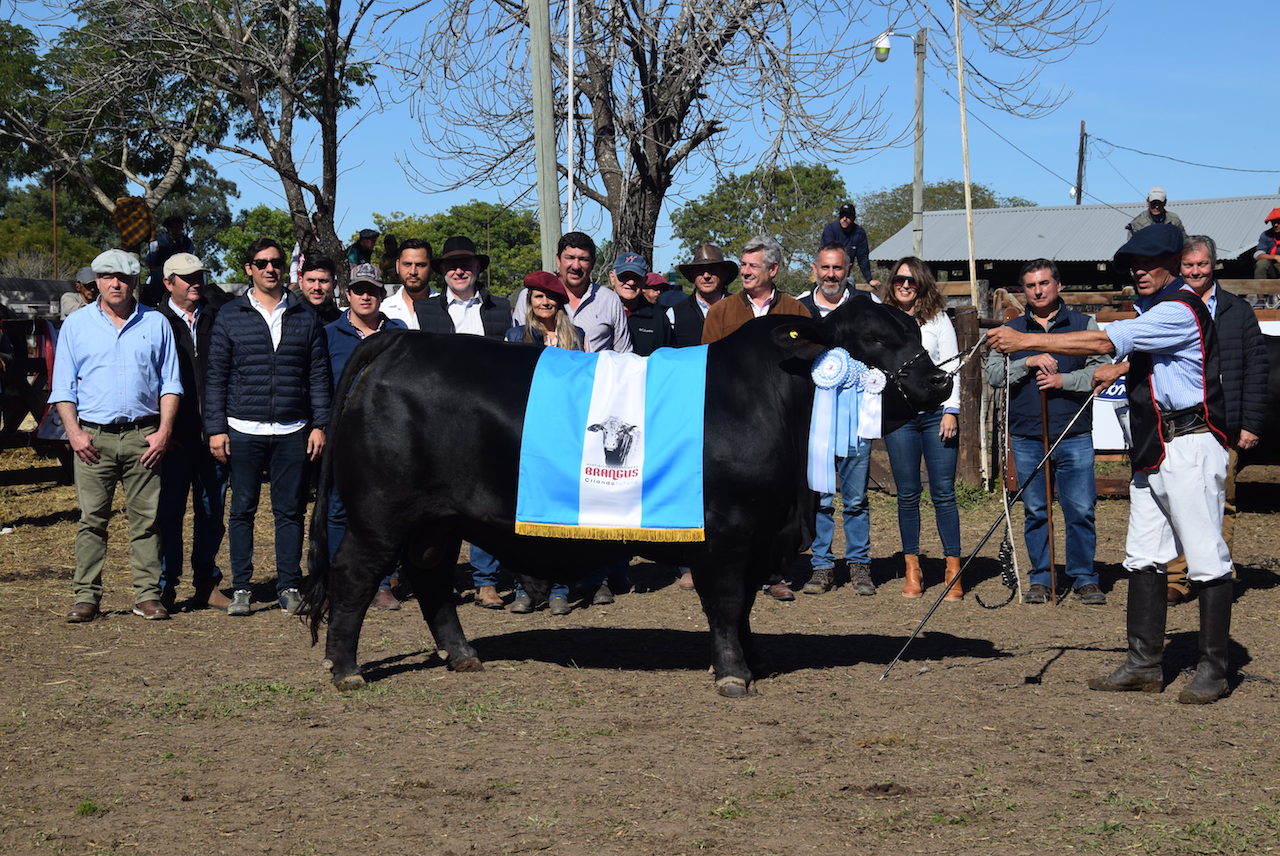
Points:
(546, 322)
(931, 435)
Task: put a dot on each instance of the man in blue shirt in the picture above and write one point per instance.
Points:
(844, 230)
(1179, 458)
(116, 387)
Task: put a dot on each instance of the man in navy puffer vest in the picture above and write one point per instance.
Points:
(267, 408)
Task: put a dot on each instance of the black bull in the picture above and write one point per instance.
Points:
(423, 451)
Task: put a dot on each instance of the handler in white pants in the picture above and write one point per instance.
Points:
(1184, 495)
(1179, 456)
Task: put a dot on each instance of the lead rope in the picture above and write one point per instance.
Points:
(1009, 574)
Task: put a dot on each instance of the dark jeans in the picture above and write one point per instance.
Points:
(1073, 484)
(191, 471)
(906, 446)
(285, 460)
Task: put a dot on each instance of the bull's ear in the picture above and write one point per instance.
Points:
(803, 338)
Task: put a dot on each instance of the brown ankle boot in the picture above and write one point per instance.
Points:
(914, 585)
(953, 571)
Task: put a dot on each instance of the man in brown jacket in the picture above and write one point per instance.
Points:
(759, 296)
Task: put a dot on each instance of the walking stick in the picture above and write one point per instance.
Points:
(1048, 495)
(981, 543)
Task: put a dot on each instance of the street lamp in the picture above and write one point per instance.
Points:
(882, 46)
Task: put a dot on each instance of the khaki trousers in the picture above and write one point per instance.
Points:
(1177, 573)
(120, 460)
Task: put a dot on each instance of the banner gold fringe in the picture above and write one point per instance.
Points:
(609, 533)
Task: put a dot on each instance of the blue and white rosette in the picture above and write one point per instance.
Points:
(869, 404)
(839, 415)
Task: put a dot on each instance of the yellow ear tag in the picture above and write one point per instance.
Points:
(794, 335)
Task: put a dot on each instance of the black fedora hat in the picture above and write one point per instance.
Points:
(458, 247)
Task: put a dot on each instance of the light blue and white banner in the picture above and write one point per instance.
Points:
(612, 446)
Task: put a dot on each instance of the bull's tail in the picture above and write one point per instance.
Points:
(315, 591)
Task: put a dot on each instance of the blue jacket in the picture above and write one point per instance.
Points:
(248, 380)
(854, 241)
(342, 339)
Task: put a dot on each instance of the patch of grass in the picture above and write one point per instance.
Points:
(87, 808)
(730, 809)
(951, 819)
(889, 740)
(775, 793)
(537, 822)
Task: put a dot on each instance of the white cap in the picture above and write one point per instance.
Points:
(1156, 194)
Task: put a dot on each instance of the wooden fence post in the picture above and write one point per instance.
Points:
(969, 466)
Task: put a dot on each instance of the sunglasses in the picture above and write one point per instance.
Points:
(366, 290)
(904, 280)
(261, 264)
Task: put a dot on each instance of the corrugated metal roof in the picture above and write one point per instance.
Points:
(1075, 233)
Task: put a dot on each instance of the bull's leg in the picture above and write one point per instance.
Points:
(432, 574)
(726, 600)
(357, 567)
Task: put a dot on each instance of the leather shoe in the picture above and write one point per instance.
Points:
(82, 612)
(1174, 595)
(384, 599)
(487, 597)
(781, 591)
(152, 610)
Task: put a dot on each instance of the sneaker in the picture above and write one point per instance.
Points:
(559, 606)
(384, 599)
(1091, 595)
(860, 579)
(1036, 593)
(522, 605)
(603, 596)
(291, 601)
(819, 582)
(239, 603)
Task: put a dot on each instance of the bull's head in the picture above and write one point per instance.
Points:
(880, 336)
(617, 438)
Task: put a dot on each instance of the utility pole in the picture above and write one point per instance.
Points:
(1080, 166)
(917, 179)
(544, 129)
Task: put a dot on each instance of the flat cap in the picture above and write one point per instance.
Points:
(116, 261)
(1158, 239)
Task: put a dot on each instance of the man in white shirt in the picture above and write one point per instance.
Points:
(413, 266)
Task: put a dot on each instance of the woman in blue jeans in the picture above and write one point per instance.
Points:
(931, 435)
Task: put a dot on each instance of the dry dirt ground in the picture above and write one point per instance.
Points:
(601, 732)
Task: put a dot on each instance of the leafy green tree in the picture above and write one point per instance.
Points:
(791, 204)
(883, 212)
(508, 236)
(261, 221)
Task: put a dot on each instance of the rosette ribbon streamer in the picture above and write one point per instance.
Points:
(846, 406)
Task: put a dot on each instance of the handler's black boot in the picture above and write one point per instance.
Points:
(1209, 683)
(1145, 618)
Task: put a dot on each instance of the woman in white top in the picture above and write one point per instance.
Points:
(931, 435)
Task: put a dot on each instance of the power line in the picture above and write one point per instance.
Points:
(1180, 160)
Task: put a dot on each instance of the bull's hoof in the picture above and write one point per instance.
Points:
(466, 664)
(349, 682)
(732, 687)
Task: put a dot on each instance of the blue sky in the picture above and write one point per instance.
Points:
(1189, 81)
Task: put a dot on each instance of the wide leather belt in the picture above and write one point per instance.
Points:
(1177, 423)
(121, 427)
